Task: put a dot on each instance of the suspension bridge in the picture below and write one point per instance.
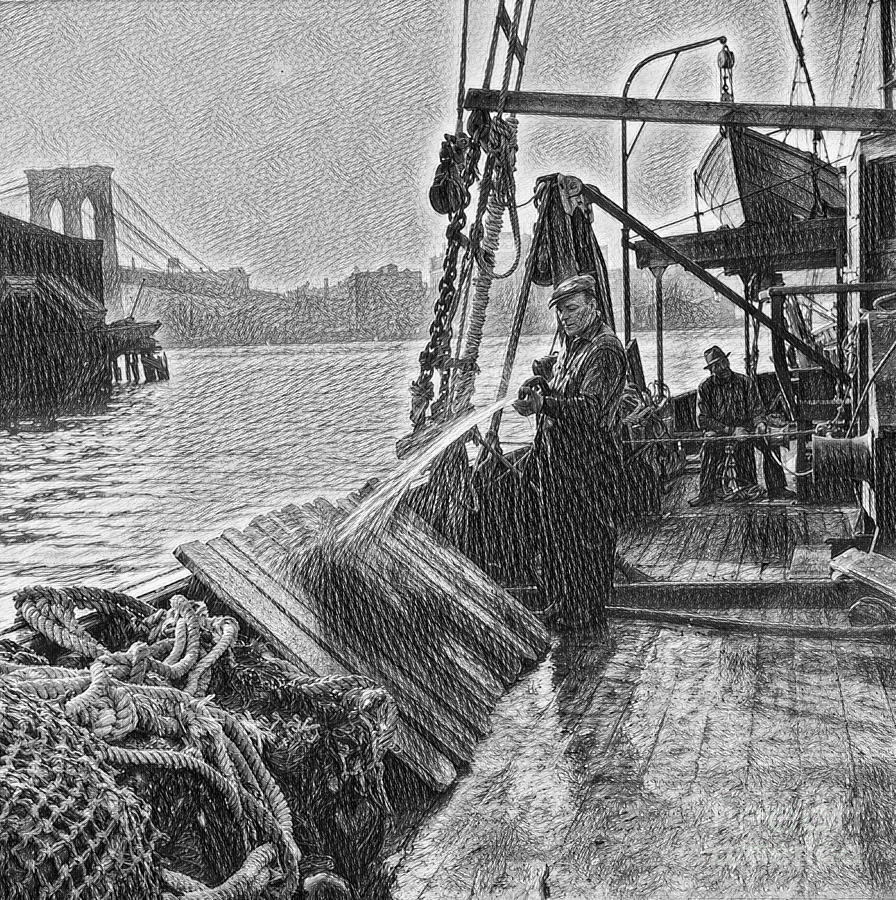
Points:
(88, 202)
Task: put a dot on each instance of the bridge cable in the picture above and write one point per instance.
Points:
(140, 233)
(131, 199)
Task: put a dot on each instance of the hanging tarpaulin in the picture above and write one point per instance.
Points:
(569, 246)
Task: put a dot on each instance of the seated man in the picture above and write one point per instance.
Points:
(728, 405)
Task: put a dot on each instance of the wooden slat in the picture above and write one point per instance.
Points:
(441, 724)
(870, 568)
(464, 688)
(298, 648)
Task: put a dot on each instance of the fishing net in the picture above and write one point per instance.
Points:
(223, 782)
(66, 828)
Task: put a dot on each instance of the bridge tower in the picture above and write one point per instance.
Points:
(71, 186)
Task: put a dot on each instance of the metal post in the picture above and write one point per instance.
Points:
(626, 272)
(658, 273)
(627, 151)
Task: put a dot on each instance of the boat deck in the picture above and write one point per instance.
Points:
(744, 543)
(681, 762)
(678, 764)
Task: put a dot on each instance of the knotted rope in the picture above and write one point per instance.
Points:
(150, 688)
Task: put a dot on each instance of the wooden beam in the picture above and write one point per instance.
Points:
(687, 112)
(812, 244)
(595, 196)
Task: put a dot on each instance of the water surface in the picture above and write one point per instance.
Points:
(104, 499)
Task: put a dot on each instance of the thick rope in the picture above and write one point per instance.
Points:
(113, 701)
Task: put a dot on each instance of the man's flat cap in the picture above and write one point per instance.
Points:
(578, 284)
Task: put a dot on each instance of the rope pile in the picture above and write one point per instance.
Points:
(206, 769)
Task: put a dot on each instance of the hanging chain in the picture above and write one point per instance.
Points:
(452, 195)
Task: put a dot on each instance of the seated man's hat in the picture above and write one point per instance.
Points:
(578, 284)
(714, 355)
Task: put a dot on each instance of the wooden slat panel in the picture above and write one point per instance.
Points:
(499, 626)
(446, 671)
(504, 614)
(301, 650)
(443, 725)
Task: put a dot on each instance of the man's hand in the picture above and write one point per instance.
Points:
(762, 428)
(710, 434)
(544, 366)
(530, 401)
(740, 431)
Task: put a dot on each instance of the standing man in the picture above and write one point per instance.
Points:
(729, 405)
(578, 458)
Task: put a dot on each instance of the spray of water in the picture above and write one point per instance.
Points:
(373, 514)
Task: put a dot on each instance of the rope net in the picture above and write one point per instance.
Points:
(68, 829)
(241, 796)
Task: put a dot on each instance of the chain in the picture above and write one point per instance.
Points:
(438, 347)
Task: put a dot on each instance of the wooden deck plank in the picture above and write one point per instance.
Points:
(305, 653)
(445, 724)
(512, 808)
(685, 550)
(773, 810)
(634, 785)
(463, 687)
(834, 866)
(723, 569)
(872, 742)
(655, 559)
(697, 562)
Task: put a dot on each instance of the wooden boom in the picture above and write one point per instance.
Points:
(594, 195)
(686, 112)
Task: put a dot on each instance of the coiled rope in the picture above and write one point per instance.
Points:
(151, 688)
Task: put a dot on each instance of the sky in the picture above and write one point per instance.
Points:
(297, 139)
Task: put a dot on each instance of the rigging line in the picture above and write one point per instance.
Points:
(15, 189)
(462, 80)
(756, 193)
(131, 199)
(839, 55)
(140, 233)
(519, 74)
(855, 74)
